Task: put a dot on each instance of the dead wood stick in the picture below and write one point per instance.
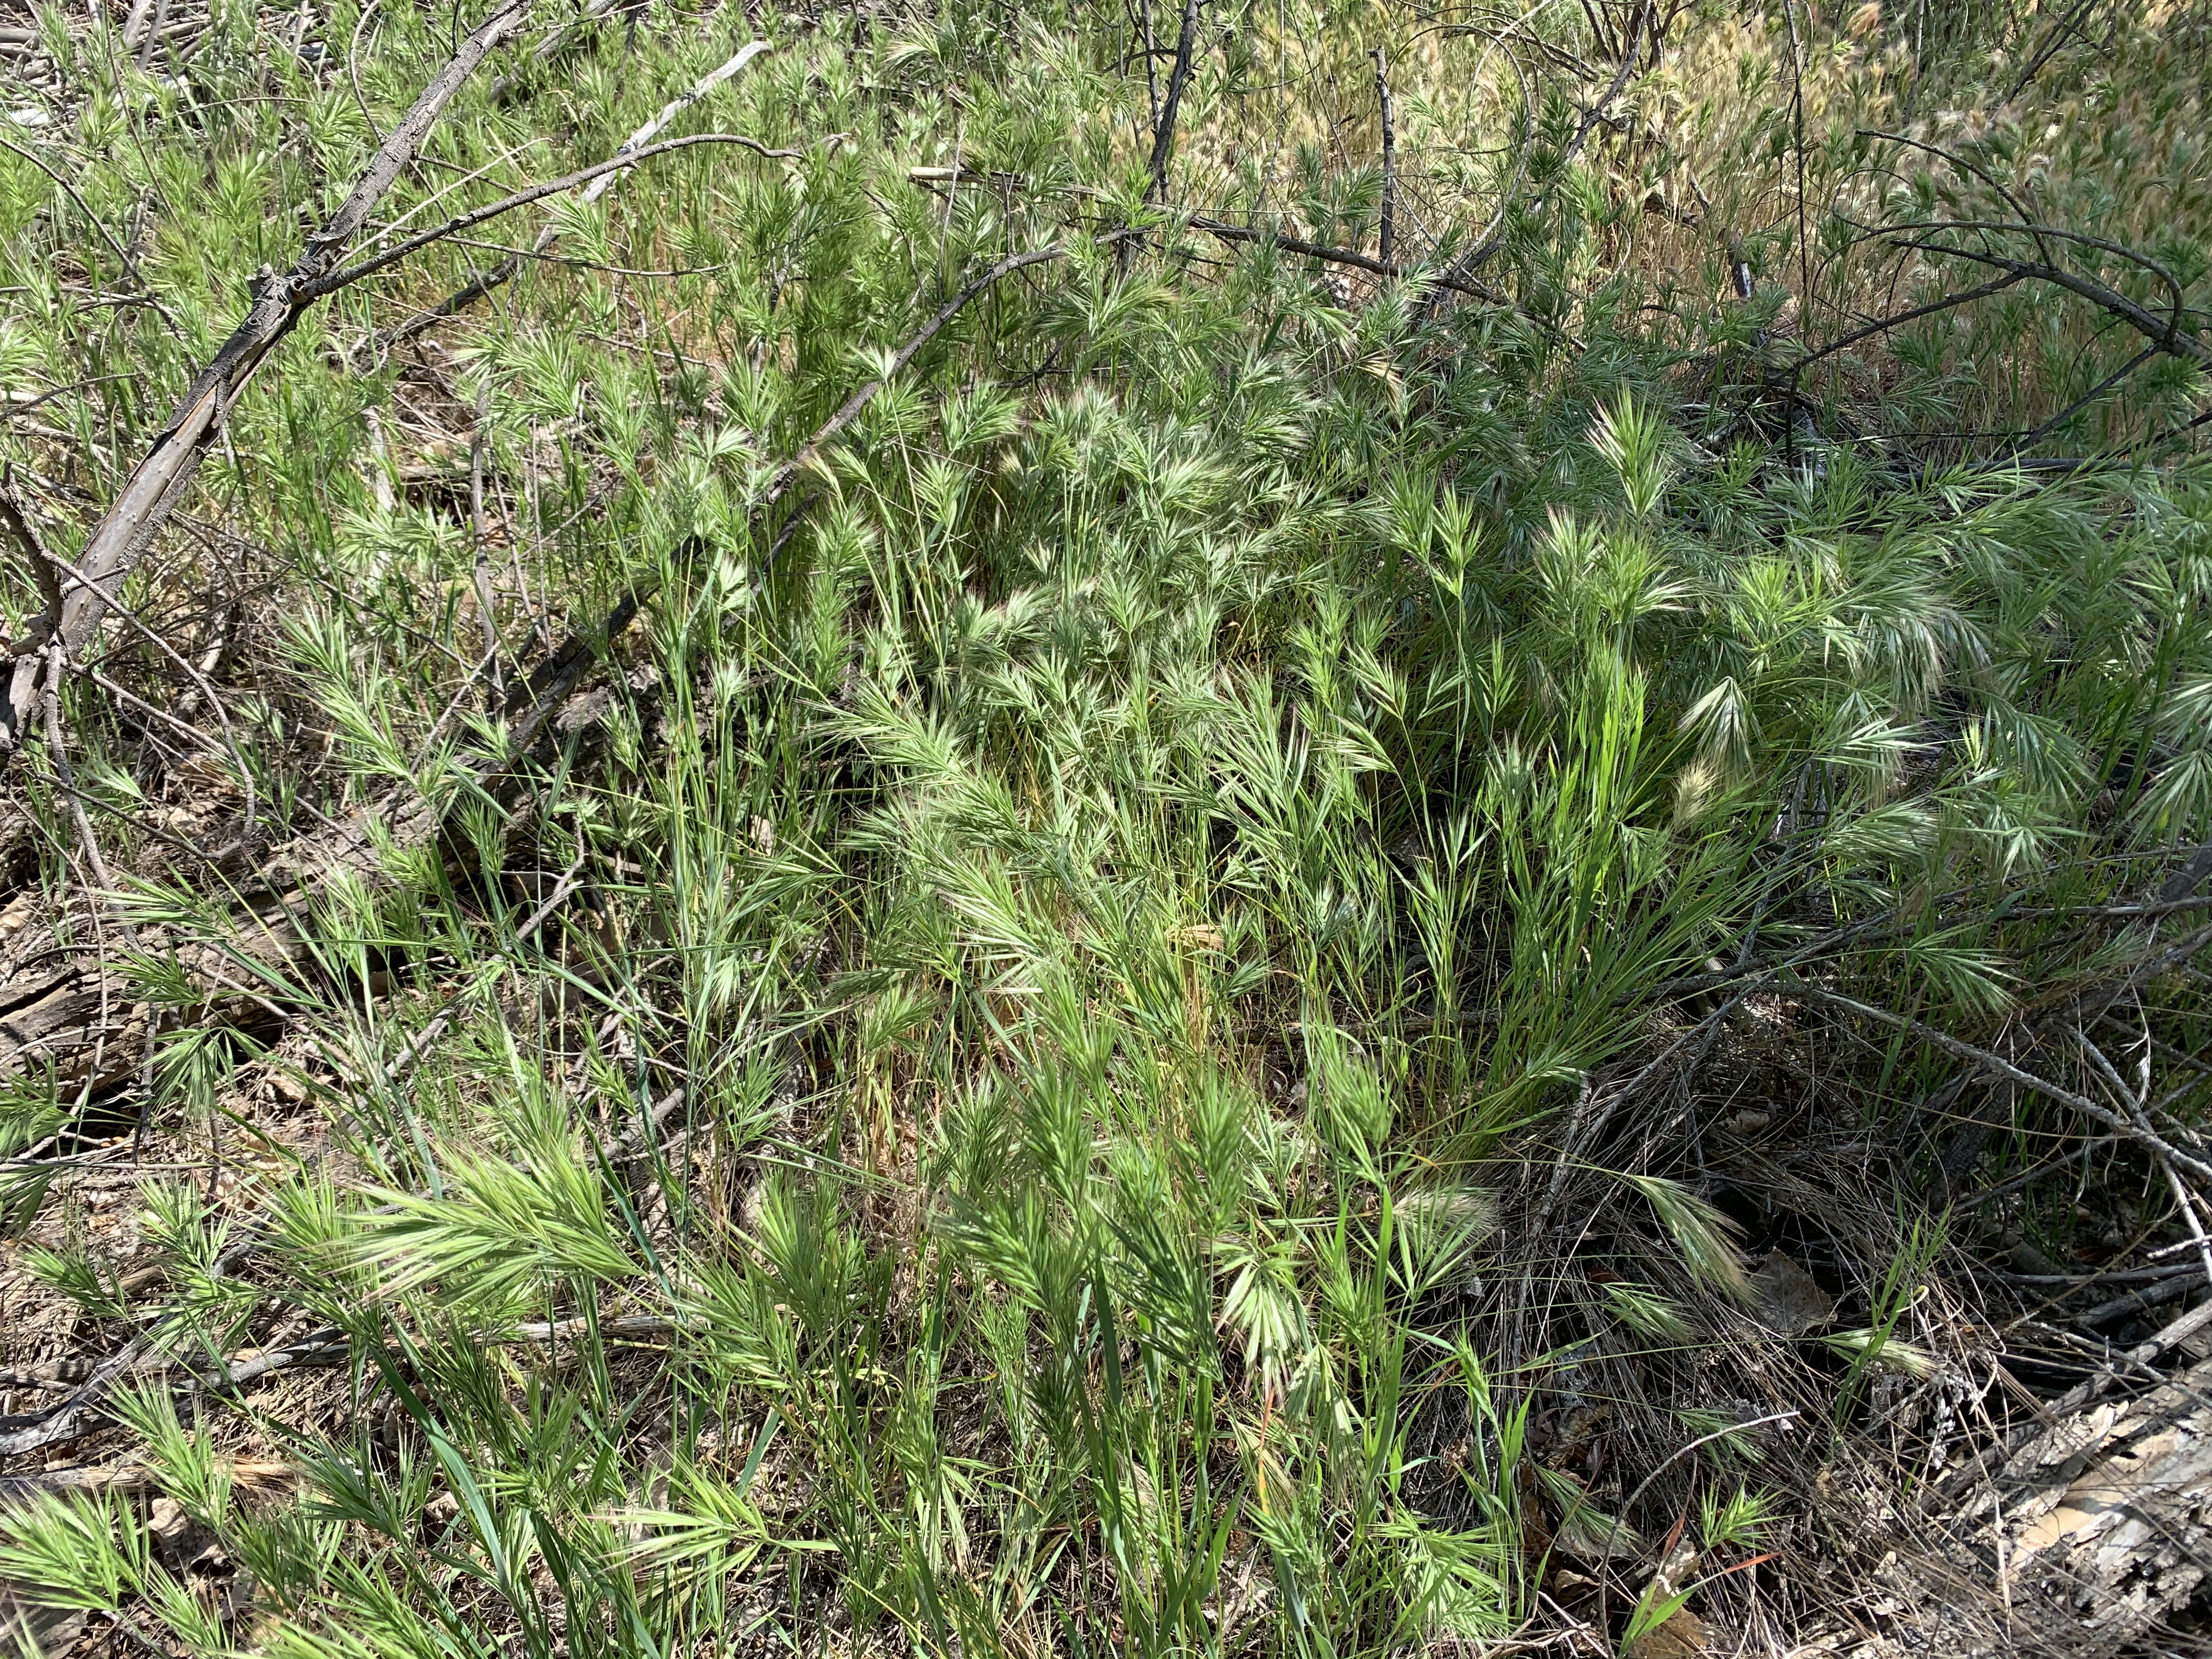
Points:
(411, 1054)
(477, 287)
(132, 1479)
(59, 1422)
(928, 178)
(2179, 303)
(269, 938)
(331, 282)
(1883, 325)
(1342, 256)
(157, 484)
(2167, 335)
(1164, 130)
(1382, 245)
(108, 236)
(64, 1014)
(1152, 68)
(81, 579)
(1482, 251)
(632, 1328)
(787, 474)
(66, 1420)
(17, 524)
(2144, 1298)
(2004, 1068)
(316, 1348)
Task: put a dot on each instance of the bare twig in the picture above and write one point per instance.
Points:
(787, 474)
(98, 224)
(2004, 1068)
(1164, 130)
(478, 286)
(1797, 136)
(1464, 267)
(322, 286)
(131, 619)
(316, 1348)
(1152, 68)
(2168, 334)
(1384, 239)
(249, 1475)
(633, 1329)
(487, 611)
(17, 524)
(1341, 255)
(59, 1421)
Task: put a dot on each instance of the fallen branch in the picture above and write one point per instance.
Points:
(133, 1479)
(1341, 255)
(1882, 326)
(1384, 237)
(2167, 335)
(787, 474)
(322, 1347)
(1164, 130)
(157, 484)
(2025, 227)
(635, 1328)
(478, 286)
(1463, 268)
(82, 579)
(2000, 1066)
(61, 1421)
(930, 178)
(59, 1015)
(324, 286)
(62, 1012)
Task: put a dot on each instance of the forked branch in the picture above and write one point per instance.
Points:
(157, 484)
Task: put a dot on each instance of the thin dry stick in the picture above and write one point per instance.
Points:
(157, 484)
(2139, 1106)
(1383, 242)
(487, 614)
(477, 287)
(2005, 1068)
(17, 524)
(391, 256)
(2188, 1203)
(787, 474)
(57, 750)
(1151, 69)
(131, 619)
(2168, 334)
(1797, 123)
(1339, 256)
(1464, 267)
(1164, 130)
(70, 190)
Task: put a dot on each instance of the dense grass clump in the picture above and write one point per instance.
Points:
(1196, 991)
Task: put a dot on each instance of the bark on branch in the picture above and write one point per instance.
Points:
(157, 484)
